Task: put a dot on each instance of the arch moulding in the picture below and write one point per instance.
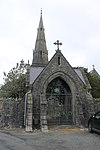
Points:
(43, 101)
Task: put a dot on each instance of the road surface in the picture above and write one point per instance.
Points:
(53, 140)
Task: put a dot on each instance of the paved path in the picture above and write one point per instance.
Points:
(53, 140)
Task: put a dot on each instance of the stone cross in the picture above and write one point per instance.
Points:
(58, 43)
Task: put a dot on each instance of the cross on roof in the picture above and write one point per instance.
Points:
(58, 43)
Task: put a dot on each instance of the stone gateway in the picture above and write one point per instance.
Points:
(58, 93)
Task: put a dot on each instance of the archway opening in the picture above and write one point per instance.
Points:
(59, 103)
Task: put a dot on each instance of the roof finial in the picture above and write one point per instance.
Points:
(41, 11)
(58, 44)
(93, 66)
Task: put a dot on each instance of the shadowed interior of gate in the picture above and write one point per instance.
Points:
(59, 103)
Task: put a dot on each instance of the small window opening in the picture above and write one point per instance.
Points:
(40, 29)
(58, 60)
(40, 53)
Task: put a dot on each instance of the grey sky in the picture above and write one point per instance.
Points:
(76, 23)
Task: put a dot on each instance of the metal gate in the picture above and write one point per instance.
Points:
(59, 103)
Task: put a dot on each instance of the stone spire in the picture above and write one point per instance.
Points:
(40, 54)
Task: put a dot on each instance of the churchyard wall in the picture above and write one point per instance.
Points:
(11, 113)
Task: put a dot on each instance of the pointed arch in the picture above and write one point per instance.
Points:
(59, 103)
(70, 94)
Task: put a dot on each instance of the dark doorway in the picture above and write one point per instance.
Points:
(59, 103)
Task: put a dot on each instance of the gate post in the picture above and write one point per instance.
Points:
(43, 113)
(28, 112)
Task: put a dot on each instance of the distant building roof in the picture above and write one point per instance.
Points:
(94, 72)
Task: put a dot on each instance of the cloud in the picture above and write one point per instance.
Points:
(76, 23)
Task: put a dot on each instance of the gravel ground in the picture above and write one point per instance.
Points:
(53, 140)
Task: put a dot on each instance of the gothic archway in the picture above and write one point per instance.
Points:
(59, 103)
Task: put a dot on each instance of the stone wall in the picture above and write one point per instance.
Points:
(11, 113)
(97, 104)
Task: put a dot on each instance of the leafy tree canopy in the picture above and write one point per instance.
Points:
(14, 81)
(95, 83)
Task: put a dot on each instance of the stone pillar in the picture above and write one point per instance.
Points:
(79, 111)
(43, 112)
(29, 112)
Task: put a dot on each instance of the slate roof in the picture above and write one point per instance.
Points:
(82, 75)
(34, 72)
(79, 73)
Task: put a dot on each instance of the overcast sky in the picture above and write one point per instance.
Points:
(76, 23)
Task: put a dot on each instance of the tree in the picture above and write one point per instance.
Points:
(94, 81)
(15, 81)
(95, 84)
